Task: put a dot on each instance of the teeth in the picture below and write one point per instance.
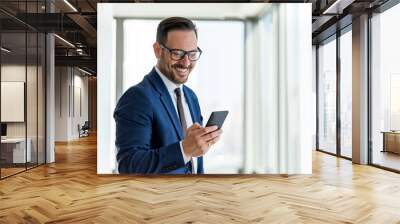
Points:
(181, 69)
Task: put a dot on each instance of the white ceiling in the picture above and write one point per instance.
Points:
(190, 10)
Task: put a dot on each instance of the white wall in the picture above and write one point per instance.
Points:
(71, 92)
(12, 73)
(61, 103)
(80, 102)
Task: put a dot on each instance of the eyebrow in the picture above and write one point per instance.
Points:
(185, 50)
(196, 49)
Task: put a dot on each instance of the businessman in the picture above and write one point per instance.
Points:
(158, 121)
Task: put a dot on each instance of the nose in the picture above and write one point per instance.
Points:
(185, 60)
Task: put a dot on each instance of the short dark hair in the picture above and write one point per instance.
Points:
(173, 23)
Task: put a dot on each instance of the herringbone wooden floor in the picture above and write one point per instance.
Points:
(70, 191)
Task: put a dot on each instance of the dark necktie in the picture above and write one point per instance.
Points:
(180, 109)
(182, 116)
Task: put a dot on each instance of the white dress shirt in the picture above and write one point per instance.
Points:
(171, 86)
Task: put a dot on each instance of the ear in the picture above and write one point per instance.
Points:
(157, 50)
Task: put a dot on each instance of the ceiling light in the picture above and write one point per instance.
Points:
(5, 50)
(84, 71)
(70, 5)
(338, 6)
(65, 41)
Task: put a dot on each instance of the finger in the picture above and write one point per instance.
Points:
(214, 140)
(193, 127)
(211, 135)
(200, 131)
(211, 128)
(197, 125)
(207, 130)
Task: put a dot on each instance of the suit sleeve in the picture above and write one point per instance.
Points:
(133, 117)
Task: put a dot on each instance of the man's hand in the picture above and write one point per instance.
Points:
(198, 139)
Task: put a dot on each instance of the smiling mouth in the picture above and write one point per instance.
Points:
(181, 71)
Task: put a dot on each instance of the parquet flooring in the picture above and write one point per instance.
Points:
(70, 191)
(10, 171)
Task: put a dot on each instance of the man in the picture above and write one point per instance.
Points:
(158, 121)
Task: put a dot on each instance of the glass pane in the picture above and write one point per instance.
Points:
(327, 97)
(13, 86)
(314, 101)
(346, 94)
(14, 6)
(386, 89)
(41, 98)
(31, 97)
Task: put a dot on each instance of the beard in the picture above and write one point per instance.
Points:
(177, 73)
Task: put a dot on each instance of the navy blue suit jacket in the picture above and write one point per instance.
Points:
(148, 129)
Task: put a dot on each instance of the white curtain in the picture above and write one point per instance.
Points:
(279, 91)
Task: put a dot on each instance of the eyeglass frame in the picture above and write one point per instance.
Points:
(184, 52)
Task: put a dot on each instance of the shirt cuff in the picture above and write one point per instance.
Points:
(185, 158)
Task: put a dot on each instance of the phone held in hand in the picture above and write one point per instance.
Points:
(217, 118)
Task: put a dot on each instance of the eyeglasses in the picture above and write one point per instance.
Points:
(178, 54)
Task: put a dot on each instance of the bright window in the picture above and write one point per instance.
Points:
(346, 93)
(218, 79)
(385, 85)
(327, 97)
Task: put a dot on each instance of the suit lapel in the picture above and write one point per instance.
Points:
(166, 101)
(194, 114)
(169, 106)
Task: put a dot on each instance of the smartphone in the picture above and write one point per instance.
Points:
(217, 118)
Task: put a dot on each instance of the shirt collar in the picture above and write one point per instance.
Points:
(171, 86)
